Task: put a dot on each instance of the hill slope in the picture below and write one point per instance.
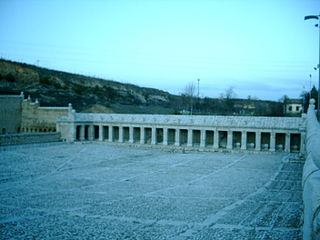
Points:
(88, 94)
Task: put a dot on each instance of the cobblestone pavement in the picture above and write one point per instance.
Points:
(98, 191)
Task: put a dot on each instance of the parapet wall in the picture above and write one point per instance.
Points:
(23, 138)
(311, 177)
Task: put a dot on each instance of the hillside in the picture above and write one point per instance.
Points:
(88, 94)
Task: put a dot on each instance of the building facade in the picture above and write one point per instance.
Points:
(19, 115)
(10, 113)
(293, 107)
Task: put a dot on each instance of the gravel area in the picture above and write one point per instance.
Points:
(99, 191)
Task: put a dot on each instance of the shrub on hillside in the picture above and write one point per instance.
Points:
(110, 92)
(79, 89)
(58, 85)
(96, 89)
(10, 78)
(45, 80)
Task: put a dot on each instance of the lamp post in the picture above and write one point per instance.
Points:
(317, 17)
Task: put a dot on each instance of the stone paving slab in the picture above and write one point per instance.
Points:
(98, 191)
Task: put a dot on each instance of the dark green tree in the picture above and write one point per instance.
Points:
(306, 96)
(10, 77)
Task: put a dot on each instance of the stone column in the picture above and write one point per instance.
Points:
(131, 134)
(244, 140)
(177, 137)
(202, 138)
(100, 132)
(73, 133)
(142, 135)
(165, 136)
(190, 138)
(82, 129)
(120, 134)
(153, 136)
(91, 133)
(216, 139)
(110, 133)
(302, 142)
(272, 142)
(258, 141)
(287, 143)
(229, 140)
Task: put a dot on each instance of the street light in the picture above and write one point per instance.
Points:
(317, 17)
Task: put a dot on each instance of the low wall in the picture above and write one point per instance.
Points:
(311, 178)
(22, 138)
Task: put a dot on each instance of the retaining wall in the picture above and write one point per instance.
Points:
(311, 178)
(22, 138)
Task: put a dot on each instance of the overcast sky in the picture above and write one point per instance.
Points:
(262, 48)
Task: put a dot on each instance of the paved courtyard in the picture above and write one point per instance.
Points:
(97, 191)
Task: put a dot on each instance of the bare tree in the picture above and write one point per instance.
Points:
(230, 93)
(283, 98)
(190, 93)
(229, 97)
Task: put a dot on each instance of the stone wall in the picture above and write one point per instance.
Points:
(23, 138)
(311, 177)
(22, 115)
(10, 113)
(40, 119)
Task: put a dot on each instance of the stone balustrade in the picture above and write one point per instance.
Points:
(210, 133)
(311, 177)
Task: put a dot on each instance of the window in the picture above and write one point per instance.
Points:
(290, 108)
(4, 131)
(297, 108)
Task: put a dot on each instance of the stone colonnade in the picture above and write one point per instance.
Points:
(36, 129)
(193, 137)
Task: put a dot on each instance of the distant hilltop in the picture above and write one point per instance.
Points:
(89, 94)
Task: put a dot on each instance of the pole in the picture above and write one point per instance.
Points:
(319, 71)
(318, 26)
(198, 88)
(198, 95)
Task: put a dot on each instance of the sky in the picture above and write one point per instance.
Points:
(261, 48)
